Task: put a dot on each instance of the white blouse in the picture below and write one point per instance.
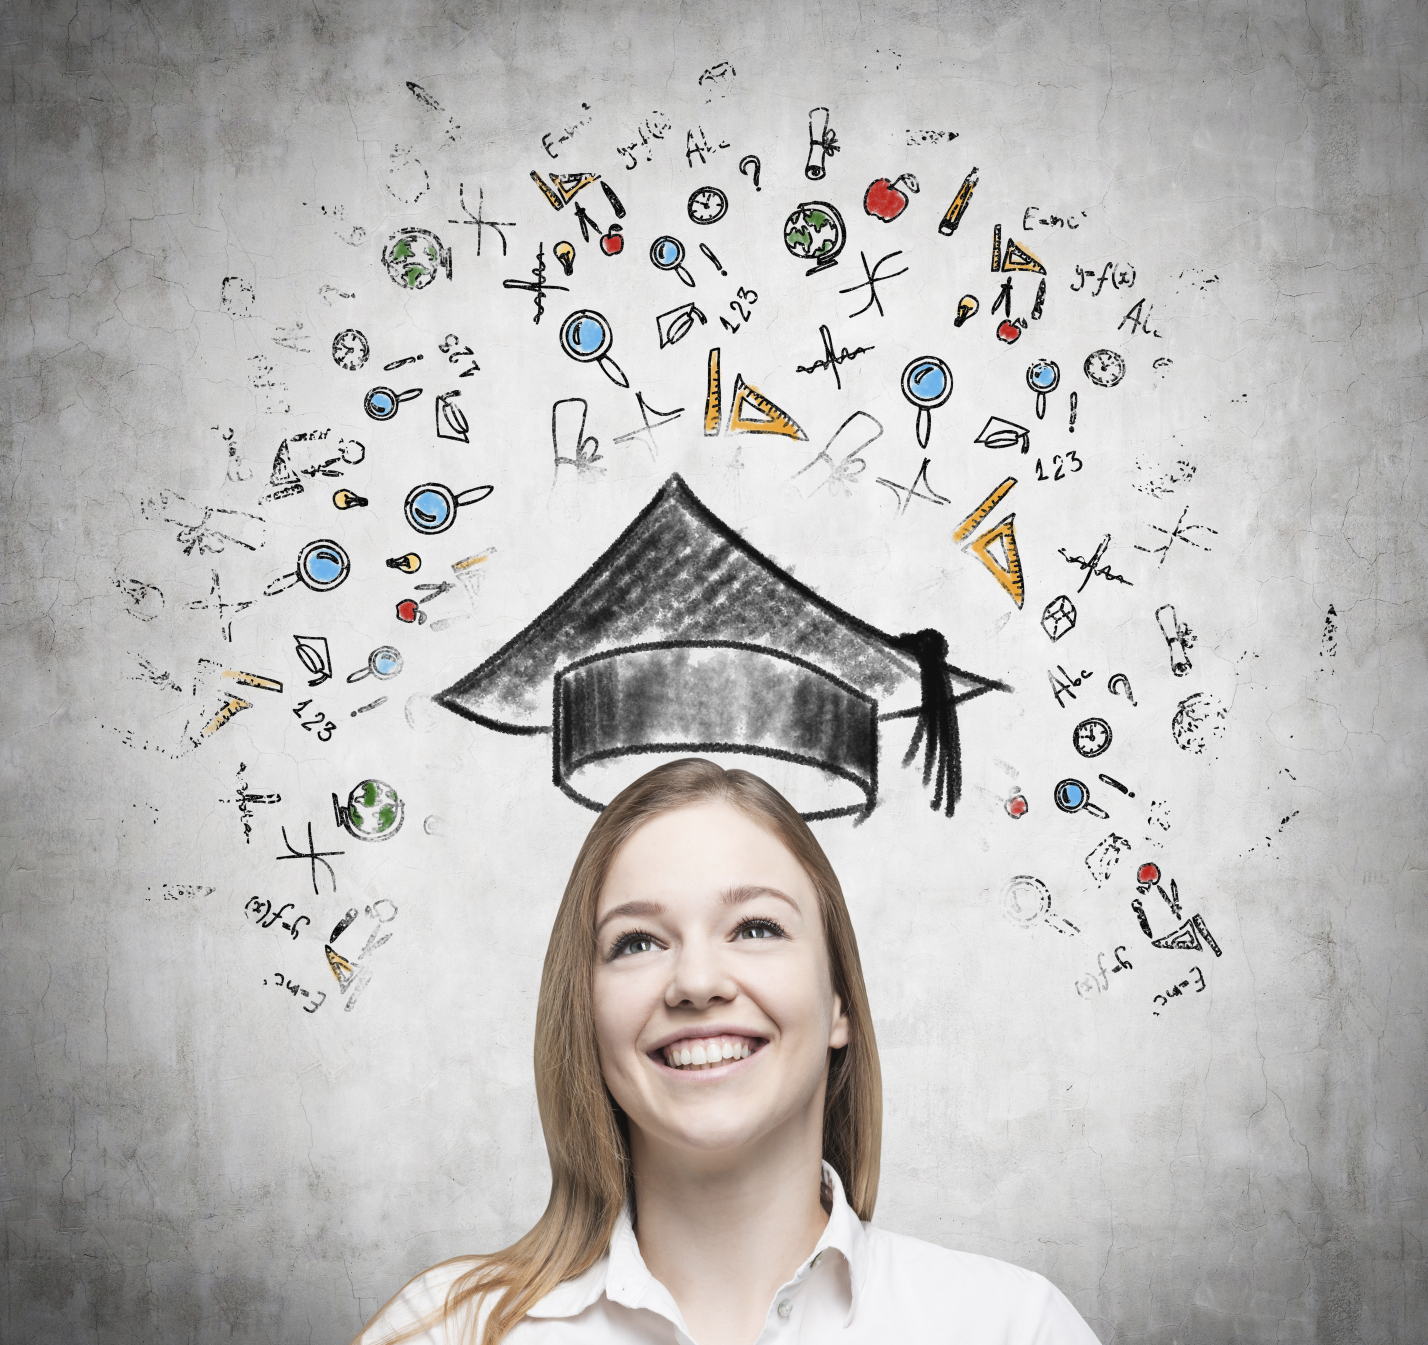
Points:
(859, 1286)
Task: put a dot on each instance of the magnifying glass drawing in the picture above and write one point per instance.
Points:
(668, 254)
(321, 566)
(384, 403)
(926, 383)
(383, 662)
(587, 336)
(432, 508)
(1042, 377)
(1072, 796)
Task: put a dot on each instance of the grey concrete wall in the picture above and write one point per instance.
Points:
(195, 201)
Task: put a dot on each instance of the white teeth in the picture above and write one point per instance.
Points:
(706, 1052)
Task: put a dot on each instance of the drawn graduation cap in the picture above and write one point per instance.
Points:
(683, 639)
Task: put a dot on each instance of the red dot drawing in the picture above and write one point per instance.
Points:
(1017, 805)
(1148, 873)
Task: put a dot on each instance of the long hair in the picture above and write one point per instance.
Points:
(586, 1139)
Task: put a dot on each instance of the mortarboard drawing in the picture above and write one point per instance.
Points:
(683, 638)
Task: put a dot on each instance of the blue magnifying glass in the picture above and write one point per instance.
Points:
(432, 508)
(587, 336)
(1072, 796)
(668, 254)
(1042, 377)
(384, 403)
(383, 662)
(926, 383)
(321, 566)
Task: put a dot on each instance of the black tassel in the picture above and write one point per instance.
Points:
(936, 731)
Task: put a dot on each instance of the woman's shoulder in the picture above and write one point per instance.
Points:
(991, 1299)
(420, 1302)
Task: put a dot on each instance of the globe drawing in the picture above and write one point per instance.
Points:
(815, 233)
(373, 811)
(413, 258)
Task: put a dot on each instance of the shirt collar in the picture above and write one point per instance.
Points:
(622, 1276)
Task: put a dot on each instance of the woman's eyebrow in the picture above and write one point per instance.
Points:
(629, 908)
(736, 896)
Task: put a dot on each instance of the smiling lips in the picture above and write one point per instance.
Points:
(697, 1053)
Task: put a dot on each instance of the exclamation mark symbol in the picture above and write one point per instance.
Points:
(1073, 413)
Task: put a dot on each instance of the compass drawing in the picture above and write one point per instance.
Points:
(707, 205)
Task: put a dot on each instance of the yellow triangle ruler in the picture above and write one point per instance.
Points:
(973, 521)
(225, 714)
(1017, 258)
(341, 967)
(563, 186)
(714, 399)
(1009, 576)
(775, 420)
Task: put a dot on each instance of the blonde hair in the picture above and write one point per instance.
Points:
(585, 1136)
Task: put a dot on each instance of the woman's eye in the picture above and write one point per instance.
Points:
(634, 943)
(758, 929)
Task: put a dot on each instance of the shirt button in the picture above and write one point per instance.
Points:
(785, 1307)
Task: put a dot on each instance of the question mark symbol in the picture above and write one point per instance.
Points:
(1119, 685)
(744, 168)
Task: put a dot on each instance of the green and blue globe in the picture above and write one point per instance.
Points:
(373, 811)
(814, 232)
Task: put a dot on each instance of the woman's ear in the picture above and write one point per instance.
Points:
(840, 1032)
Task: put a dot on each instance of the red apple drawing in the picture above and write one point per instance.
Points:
(612, 242)
(1008, 331)
(407, 611)
(884, 201)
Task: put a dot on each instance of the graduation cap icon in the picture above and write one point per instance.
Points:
(683, 639)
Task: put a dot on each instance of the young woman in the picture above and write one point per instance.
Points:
(709, 1089)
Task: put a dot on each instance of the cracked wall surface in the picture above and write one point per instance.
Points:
(211, 1132)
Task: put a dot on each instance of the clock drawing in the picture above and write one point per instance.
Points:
(1105, 368)
(350, 350)
(1091, 737)
(707, 205)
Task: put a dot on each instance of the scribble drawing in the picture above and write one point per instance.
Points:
(682, 637)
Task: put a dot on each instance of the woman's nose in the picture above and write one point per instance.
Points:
(699, 979)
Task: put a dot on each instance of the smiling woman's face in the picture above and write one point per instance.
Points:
(714, 1007)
